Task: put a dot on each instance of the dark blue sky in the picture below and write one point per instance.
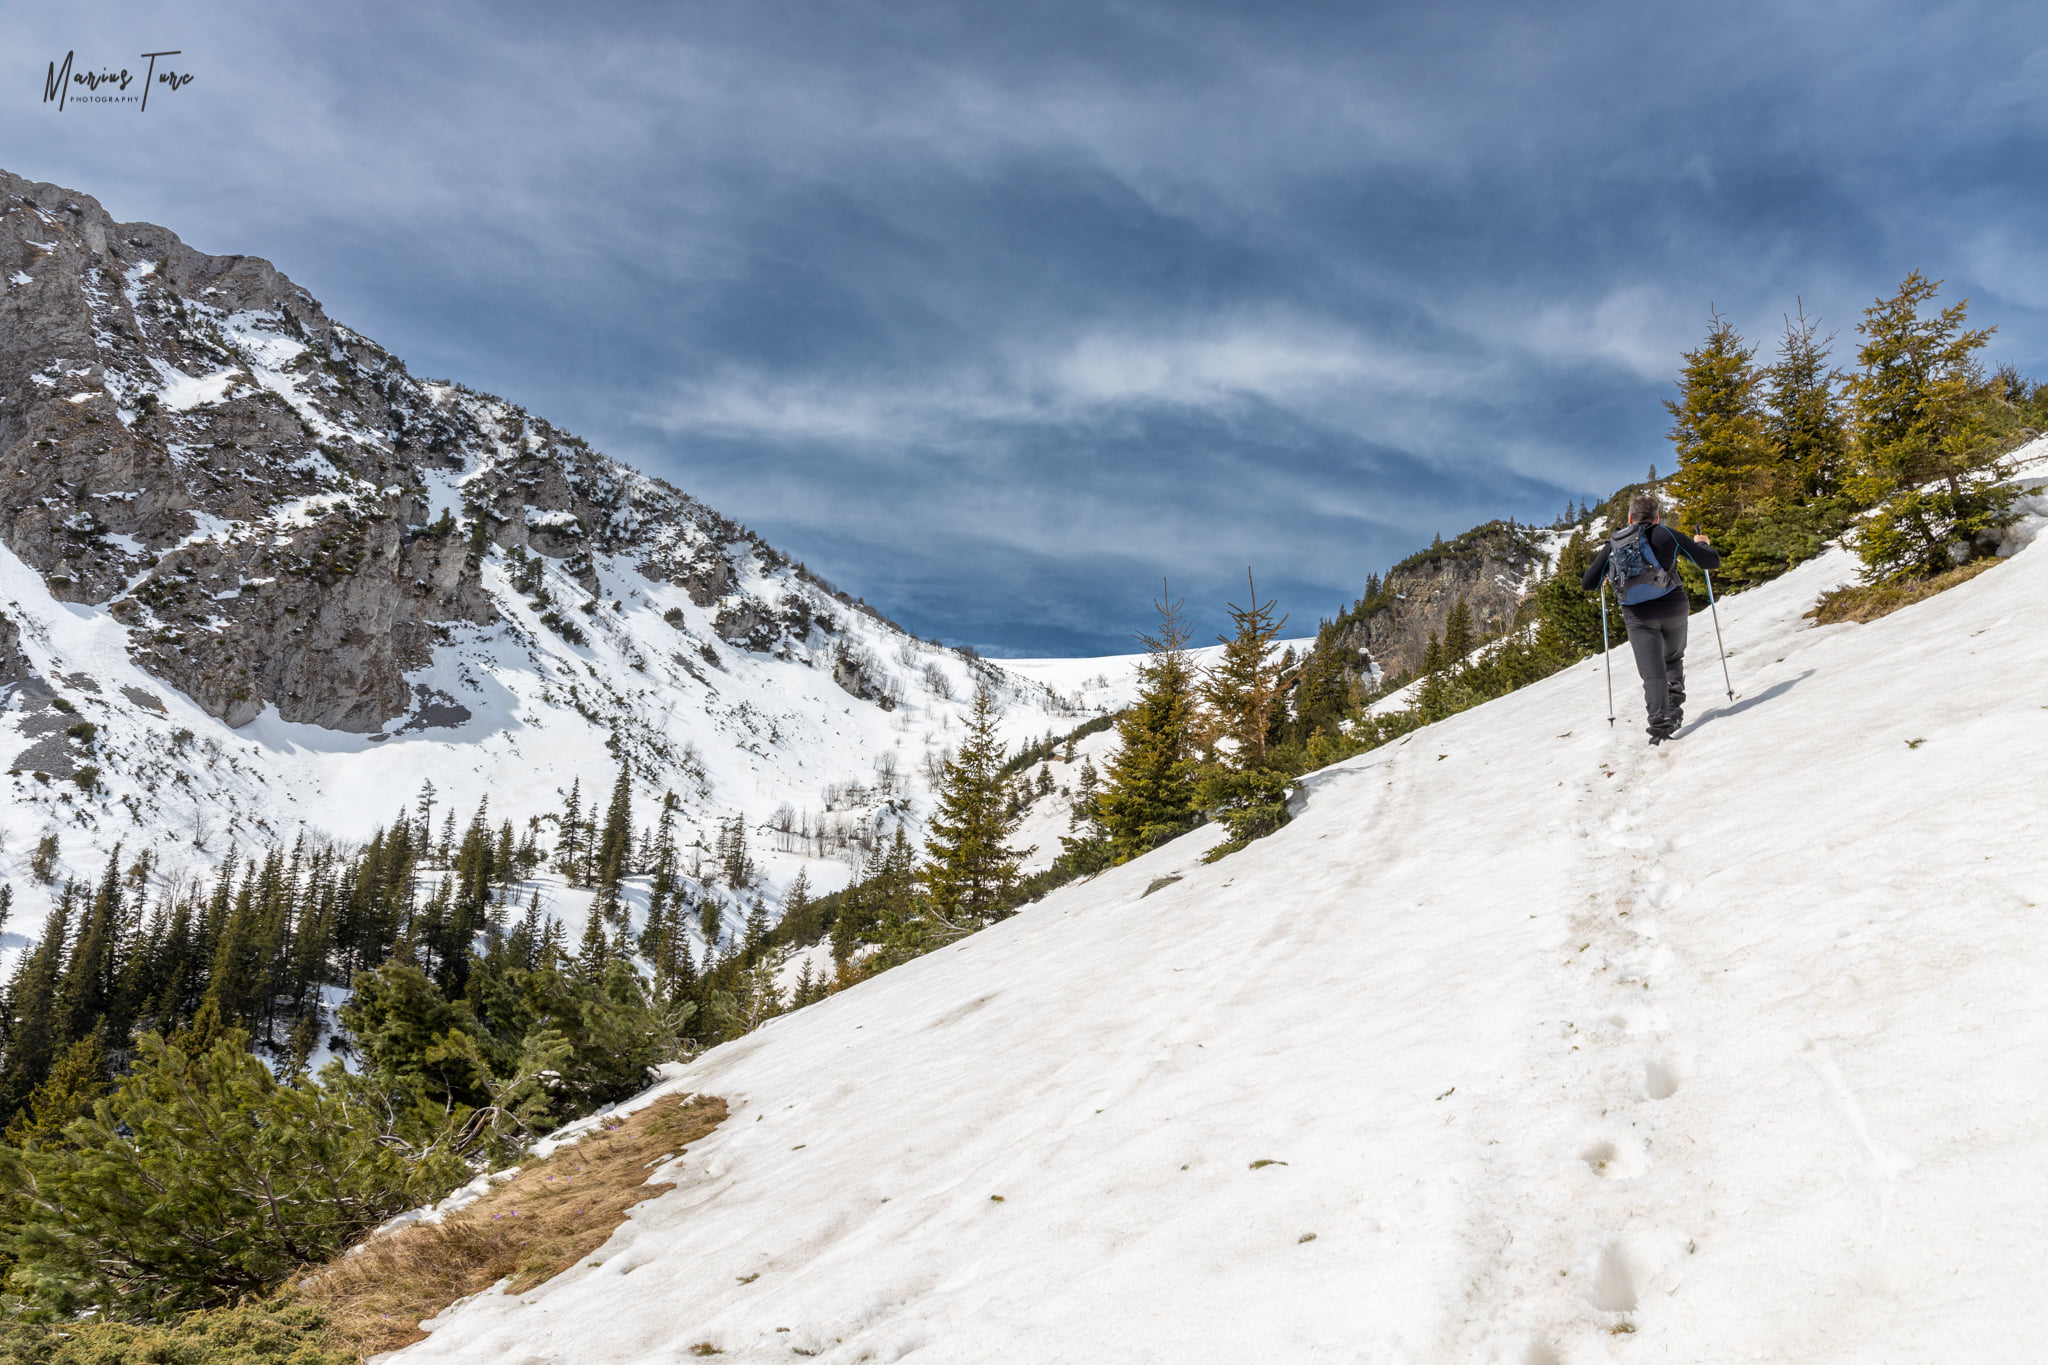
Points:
(996, 314)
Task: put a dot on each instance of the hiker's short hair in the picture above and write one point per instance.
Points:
(1642, 508)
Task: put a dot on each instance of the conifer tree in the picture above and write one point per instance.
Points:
(760, 997)
(757, 927)
(425, 835)
(614, 847)
(1804, 423)
(893, 910)
(661, 853)
(1458, 639)
(669, 954)
(176, 973)
(887, 883)
(1725, 465)
(1432, 696)
(1148, 792)
(34, 1029)
(531, 933)
(1927, 457)
(567, 849)
(1242, 688)
(1240, 782)
(406, 1028)
(78, 1078)
(735, 866)
(554, 948)
(1324, 689)
(596, 948)
(204, 1179)
(969, 871)
(797, 899)
(87, 990)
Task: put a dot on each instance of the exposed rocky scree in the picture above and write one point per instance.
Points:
(264, 497)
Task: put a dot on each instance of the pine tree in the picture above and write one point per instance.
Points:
(969, 872)
(596, 948)
(1242, 689)
(1725, 465)
(87, 991)
(662, 852)
(1804, 424)
(760, 996)
(757, 927)
(426, 806)
(34, 1028)
(668, 951)
(797, 901)
(1326, 686)
(1240, 782)
(1927, 457)
(1798, 509)
(554, 947)
(204, 1179)
(568, 863)
(526, 940)
(614, 846)
(1458, 640)
(407, 1031)
(735, 866)
(78, 1078)
(1148, 792)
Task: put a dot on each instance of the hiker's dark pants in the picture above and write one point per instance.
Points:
(1660, 657)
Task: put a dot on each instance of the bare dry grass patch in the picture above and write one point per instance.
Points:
(1867, 602)
(534, 1226)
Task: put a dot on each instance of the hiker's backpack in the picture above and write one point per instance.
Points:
(1633, 569)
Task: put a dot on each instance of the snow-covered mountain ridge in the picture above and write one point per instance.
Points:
(257, 578)
(1523, 1042)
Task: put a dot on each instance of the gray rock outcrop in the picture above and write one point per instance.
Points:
(279, 513)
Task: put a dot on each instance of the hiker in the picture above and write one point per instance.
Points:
(1644, 559)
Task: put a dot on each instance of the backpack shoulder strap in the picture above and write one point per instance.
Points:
(1684, 547)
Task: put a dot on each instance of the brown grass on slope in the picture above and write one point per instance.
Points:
(1867, 602)
(534, 1226)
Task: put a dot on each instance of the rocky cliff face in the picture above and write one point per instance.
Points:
(1492, 568)
(267, 499)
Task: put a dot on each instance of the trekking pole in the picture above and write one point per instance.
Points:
(1716, 611)
(1605, 656)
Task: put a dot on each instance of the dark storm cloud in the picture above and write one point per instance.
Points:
(997, 314)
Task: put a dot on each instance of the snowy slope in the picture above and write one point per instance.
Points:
(1110, 682)
(1565, 1049)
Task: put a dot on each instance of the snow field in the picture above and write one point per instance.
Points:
(1565, 1049)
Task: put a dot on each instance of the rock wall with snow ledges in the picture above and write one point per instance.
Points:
(281, 583)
